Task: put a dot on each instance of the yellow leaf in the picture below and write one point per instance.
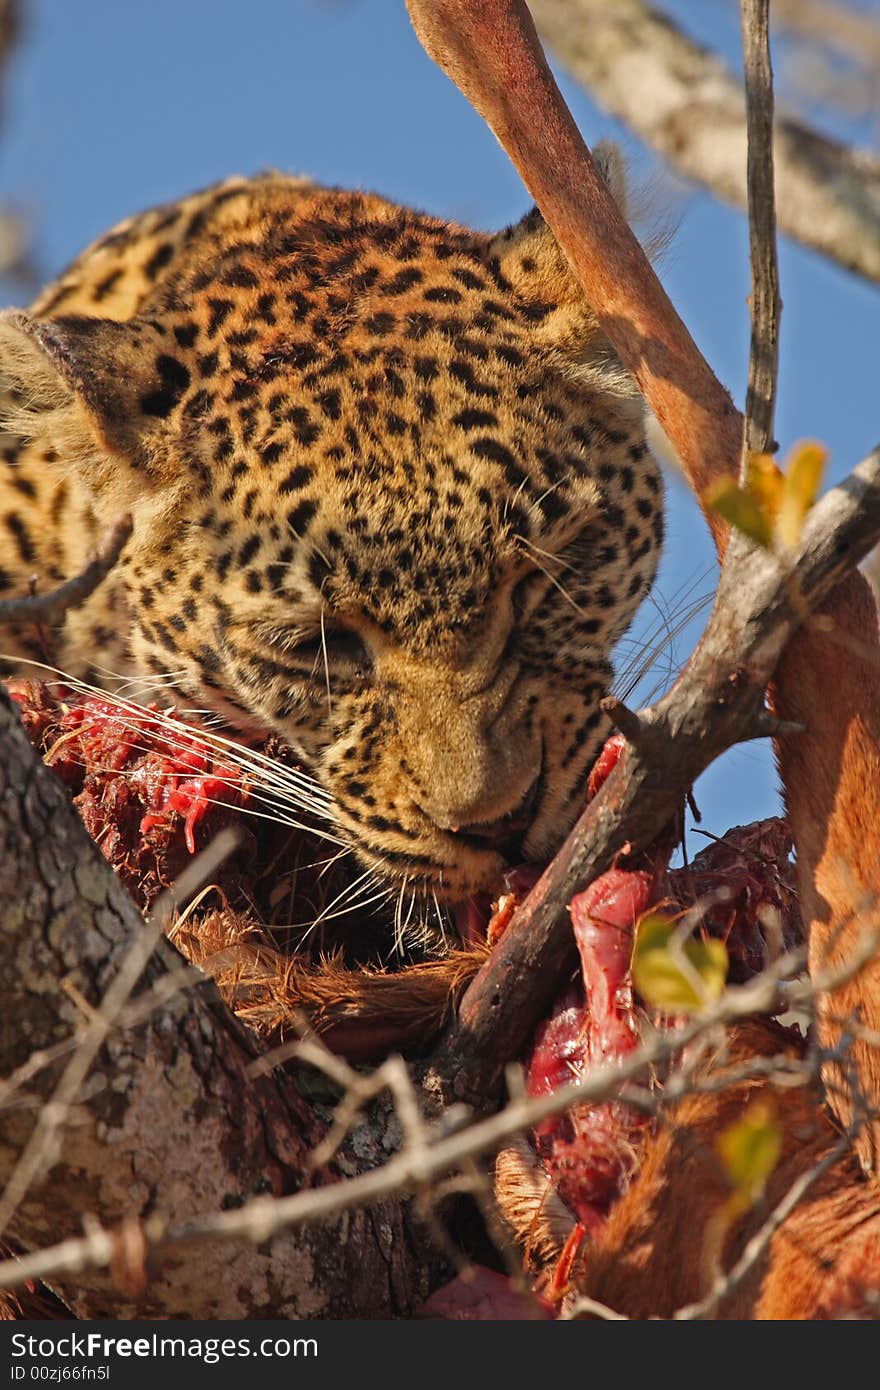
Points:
(674, 975)
(803, 478)
(765, 483)
(740, 508)
(749, 1151)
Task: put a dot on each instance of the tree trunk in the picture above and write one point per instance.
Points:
(168, 1121)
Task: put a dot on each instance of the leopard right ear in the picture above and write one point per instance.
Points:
(99, 391)
(534, 266)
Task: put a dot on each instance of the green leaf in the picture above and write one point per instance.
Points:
(750, 1150)
(741, 509)
(675, 975)
(803, 478)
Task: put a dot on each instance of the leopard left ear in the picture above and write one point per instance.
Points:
(105, 388)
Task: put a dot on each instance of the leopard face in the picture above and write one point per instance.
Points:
(391, 498)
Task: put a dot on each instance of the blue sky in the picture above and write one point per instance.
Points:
(113, 106)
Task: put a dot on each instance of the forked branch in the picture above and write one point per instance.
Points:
(717, 701)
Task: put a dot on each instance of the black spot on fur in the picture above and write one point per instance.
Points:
(304, 427)
(174, 378)
(300, 515)
(22, 537)
(220, 311)
(240, 277)
(463, 372)
(271, 453)
(443, 294)
(159, 259)
(488, 448)
(186, 333)
(296, 479)
(403, 281)
(105, 286)
(380, 324)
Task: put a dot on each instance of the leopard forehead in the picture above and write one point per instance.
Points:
(366, 410)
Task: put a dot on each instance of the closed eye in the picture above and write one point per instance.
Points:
(527, 593)
(339, 646)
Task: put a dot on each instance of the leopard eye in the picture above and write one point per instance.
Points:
(338, 645)
(527, 593)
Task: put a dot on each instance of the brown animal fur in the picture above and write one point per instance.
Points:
(363, 1013)
(824, 1261)
(831, 777)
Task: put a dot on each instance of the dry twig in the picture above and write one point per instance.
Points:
(765, 302)
(438, 1153)
(49, 609)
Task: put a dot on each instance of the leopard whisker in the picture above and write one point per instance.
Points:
(400, 922)
(278, 787)
(307, 928)
(672, 618)
(326, 664)
(369, 878)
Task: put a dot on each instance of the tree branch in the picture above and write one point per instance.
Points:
(684, 103)
(713, 704)
(49, 609)
(765, 302)
(430, 1154)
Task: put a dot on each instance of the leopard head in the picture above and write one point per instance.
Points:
(392, 500)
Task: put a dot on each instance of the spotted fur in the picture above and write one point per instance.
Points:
(391, 499)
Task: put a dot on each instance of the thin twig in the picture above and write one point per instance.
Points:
(765, 302)
(623, 718)
(415, 1166)
(40, 1146)
(726, 1283)
(48, 609)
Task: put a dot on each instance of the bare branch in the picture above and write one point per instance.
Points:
(623, 718)
(765, 302)
(437, 1153)
(50, 608)
(682, 100)
(714, 703)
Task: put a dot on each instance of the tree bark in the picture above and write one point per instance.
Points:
(169, 1124)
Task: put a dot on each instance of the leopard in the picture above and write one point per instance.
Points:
(391, 500)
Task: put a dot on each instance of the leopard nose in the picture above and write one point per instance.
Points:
(503, 833)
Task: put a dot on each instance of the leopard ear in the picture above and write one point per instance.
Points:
(100, 388)
(531, 261)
